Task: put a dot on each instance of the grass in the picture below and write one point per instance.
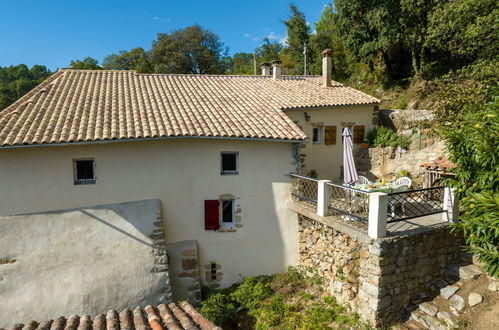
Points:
(284, 301)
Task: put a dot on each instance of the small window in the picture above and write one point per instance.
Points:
(84, 171)
(230, 163)
(227, 212)
(317, 135)
(213, 271)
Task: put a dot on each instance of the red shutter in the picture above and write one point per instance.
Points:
(211, 217)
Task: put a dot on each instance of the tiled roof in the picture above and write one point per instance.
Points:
(87, 106)
(163, 317)
(441, 163)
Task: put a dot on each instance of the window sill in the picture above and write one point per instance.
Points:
(81, 183)
(229, 173)
(227, 229)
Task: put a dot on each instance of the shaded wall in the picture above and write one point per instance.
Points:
(82, 261)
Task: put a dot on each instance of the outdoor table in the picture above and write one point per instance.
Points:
(387, 188)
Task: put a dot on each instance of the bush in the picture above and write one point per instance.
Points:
(473, 146)
(251, 293)
(218, 308)
(272, 313)
(385, 137)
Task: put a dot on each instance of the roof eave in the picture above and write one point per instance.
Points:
(151, 139)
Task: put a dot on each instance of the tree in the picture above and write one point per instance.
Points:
(463, 31)
(414, 19)
(87, 63)
(327, 35)
(268, 51)
(15, 81)
(371, 28)
(298, 36)
(136, 59)
(242, 63)
(191, 50)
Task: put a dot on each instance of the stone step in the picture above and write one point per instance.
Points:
(427, 321)
(466, 272)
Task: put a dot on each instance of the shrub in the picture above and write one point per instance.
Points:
(385, 137)
(319, 317)
(218, 308)
(473, 146)
(405, 173)
(272, 313)
(251, 293)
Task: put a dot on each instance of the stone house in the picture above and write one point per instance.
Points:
(216, 150)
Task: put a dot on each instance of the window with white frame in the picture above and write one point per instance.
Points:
(317, 135)
(229, 163)
(84, 171)
(227, 212)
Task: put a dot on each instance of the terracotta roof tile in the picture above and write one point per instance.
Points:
(441, 163)
(86, 106)
(164, 317)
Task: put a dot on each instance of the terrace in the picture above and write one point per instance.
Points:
(378, 214)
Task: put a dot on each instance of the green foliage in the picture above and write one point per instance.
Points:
(463, 31)
(218, 308)
(87, 63)
(137, 59)
(405, 173)
(298, 36)
(272, 313)
(191, 50)
(385, 137)
(251, 293)
(473, 145)
(15, 81)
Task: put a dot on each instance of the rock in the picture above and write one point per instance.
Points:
(469, 272)
(448, 291)
(474, 299)
(494, 286)
(444, 316)
(427, 321)
(457, 302)
(440, 283)
(428, 309)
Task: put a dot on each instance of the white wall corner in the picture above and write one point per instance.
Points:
(323, 198)
(378, 211)
(451, 206)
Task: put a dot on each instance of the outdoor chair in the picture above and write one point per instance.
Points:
(399, 200)
(362, 180)
(404, 181)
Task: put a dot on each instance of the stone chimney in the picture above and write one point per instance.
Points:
(265, 69)
(276, 69)
(326, 68)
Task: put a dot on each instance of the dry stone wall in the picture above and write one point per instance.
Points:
(383, 278)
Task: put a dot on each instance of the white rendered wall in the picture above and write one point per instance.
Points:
(327, 159)
(182, 173)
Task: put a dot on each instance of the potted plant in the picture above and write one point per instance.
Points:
(365, 143)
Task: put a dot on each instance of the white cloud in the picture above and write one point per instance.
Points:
(161, 19)
(274, 37)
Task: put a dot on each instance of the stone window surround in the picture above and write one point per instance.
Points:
(231, 228)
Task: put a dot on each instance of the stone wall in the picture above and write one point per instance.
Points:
(380, 278)
(389, 162)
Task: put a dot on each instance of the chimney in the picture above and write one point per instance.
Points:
(276, 69)
(265, 69)
(326, 68)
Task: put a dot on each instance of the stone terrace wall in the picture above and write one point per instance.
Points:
(379, 278)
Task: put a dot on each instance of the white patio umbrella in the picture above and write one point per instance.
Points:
(349, 171)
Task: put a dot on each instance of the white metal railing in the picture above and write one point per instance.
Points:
(375, 208)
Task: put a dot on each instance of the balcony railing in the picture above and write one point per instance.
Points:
(304, 189)
(348, 202)
(411, 204)
(375, 208)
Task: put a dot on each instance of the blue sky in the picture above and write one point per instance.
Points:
(54, 32)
